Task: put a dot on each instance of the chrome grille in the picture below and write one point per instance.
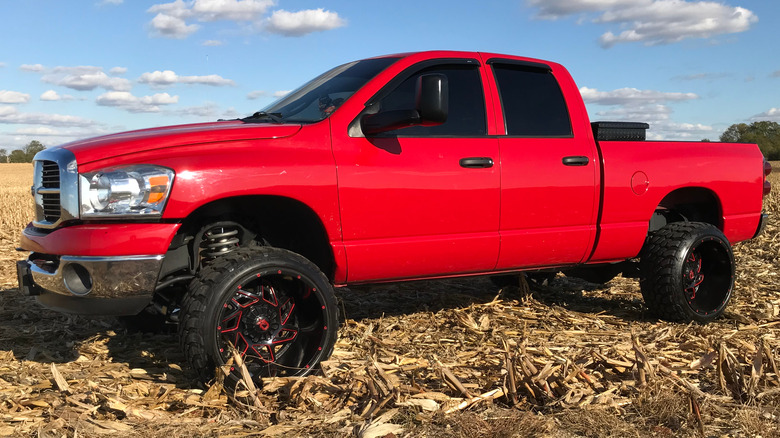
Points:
(55, 188)
(50, 179)
(50, 173)
(51, 207)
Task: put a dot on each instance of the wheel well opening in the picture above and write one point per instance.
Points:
(690, 204)
(265, 220)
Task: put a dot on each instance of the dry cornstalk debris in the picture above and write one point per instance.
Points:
(423, 359)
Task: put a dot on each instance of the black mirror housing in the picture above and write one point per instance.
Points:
(380, 122)
(432, 99)
(430, 108)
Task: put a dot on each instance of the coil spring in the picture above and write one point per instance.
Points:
(219, 241)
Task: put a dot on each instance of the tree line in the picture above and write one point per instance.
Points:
(23, 155)
(765, 134)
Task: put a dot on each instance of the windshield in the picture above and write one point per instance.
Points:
(318, 98)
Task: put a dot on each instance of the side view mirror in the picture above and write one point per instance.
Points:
(430, 108)
(432, 99)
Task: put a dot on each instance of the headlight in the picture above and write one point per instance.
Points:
(125, 191)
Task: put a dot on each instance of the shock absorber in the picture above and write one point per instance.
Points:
(219, 240)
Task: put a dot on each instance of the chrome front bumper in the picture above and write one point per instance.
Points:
(91, 285)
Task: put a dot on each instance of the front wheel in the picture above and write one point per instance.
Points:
(687, 272)
(272, 306)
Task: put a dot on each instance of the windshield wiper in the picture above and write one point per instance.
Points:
(262, 115)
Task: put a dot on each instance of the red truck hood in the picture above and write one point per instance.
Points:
(123, 143)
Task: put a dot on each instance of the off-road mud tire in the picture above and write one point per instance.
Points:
(215, 291)
(687, 272)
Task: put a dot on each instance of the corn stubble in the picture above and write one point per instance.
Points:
(443, 358)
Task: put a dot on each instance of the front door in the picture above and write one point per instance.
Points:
(411, 206)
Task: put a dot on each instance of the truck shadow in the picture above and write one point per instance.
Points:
(374, 301)
(32, 333)
(101, 344)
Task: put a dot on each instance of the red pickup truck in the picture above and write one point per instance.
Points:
(410, 166)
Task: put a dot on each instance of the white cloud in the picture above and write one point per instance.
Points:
(679, 131)
(176, 8)
(257, 94)
(232, 10)
(85, 78)
(135, 104)
(261, 93)
(624, 96)
(168, 78)
(168, 26)
(110, 2)
(10, 115)
(658, 116)
(116, 71)
(2, 64)
(231, 113)
(207, 111)
(650, 106)
(13, 97)
(772, 115)
(175, 19)
(41, 131)
(644, 113)
(171, 18)
(49, 136)
(35, 68)
(51, 95)
(212, 43)
(555, 9)
(214, 10)
(653, 22)
(303, 22)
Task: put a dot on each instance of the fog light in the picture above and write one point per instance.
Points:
(77, 278)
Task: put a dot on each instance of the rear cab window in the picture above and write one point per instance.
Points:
(532, 101)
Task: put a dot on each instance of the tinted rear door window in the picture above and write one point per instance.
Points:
(533, 102)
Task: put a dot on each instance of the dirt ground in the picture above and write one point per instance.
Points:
(460, 358)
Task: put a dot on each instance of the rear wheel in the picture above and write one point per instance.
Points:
(272, 306)
(687, 272)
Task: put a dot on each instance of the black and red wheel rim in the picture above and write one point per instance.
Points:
(276, 320)
(707, 276)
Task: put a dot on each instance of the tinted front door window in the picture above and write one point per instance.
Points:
(466, 103)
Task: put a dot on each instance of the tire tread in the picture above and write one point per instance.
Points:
(196, 301)
(658, 262)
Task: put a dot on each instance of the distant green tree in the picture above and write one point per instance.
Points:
(18, 156)
(765, 134)
(705, 140)
(32, 148)
(23, 155)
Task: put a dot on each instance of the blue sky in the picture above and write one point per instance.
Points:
(77, 69)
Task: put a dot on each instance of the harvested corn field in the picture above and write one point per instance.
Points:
(425, 359)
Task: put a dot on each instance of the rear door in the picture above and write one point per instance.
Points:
(549, 175)
(410, 205)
